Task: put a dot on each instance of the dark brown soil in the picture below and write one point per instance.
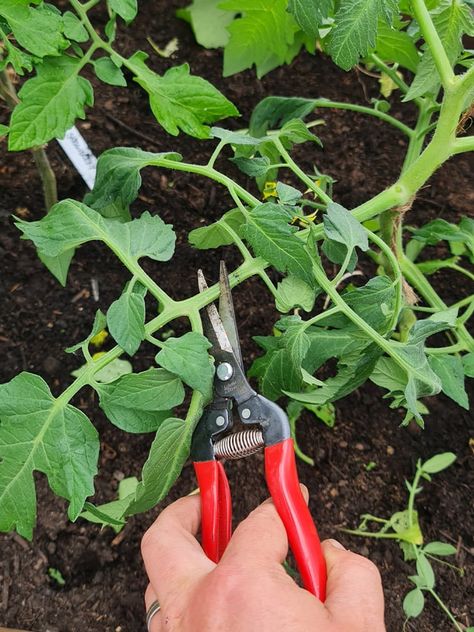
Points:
(104, 577)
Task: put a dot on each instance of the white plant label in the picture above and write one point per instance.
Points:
(79, 153)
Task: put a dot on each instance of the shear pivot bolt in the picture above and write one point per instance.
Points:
(246, 413)
(224, 371)
(220, 420)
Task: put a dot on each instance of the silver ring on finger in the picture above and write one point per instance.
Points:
(150, 613)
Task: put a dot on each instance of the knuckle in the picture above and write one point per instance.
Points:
(365, 566)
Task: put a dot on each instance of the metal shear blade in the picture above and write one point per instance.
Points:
(220, 327)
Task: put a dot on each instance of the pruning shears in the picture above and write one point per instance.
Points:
(270, 430)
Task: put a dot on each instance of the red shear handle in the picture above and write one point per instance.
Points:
(282, 481)
(216, 506)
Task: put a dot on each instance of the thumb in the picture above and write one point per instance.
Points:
(354, 589)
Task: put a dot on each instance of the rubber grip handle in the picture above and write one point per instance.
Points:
(216, 508)
(283, 483)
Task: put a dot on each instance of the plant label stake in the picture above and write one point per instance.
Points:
(77, 150)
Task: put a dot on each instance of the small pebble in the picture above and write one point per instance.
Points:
(118, 475)
(51, 547)
(390, 450)
(333, 492)
(343, 444)
(360, 447)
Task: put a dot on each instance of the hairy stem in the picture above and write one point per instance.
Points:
(362, 109)
(46, 173)
(431, 37)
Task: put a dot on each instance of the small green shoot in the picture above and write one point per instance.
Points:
(403, 526)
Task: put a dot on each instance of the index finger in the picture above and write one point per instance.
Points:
(173, 557)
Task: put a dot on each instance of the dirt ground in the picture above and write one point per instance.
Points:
(104, 577)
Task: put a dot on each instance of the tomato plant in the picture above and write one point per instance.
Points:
(297, 234)
(403, 526)
(56, 48)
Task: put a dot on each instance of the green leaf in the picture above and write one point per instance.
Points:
(295, 131)
(352, 371)
(38, 30)
(140, 402)
(355, 29)
(126, 321)
(294, 292)
(280, 368)
(341, 226)
(439, 229)
(3, 130)
(73, 27)
(374, 302)
(407, 385)
(253, 167)
(468, 364)
(108, 72)
(310, 14)
(440, 321)
(433, 265)
(288, 195)
(438, 462)
(425, 571)
(450, 371)
(41, 433)
(414, 603)
(181, 101)
(49, 103)
(396, 46)
(439, 548)
(271, 237)
(110, 514)
(187, 358)
(208, 21)
(216, 235)
(451, 20)
(274, 112)
(118, 179)
(127, 9)
(234, 138)
(263, 36)
(58, 265)
(109, 373)
(70, 224)
(168, 454)
(99, 324)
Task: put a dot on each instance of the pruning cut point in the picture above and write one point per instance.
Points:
(224, 371)
(246, 413)
(220, 420)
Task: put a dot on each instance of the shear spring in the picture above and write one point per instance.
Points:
(239, 444)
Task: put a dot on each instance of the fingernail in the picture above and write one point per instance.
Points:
(305, 492)
(337, 545)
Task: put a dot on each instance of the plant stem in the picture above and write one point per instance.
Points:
(340, 105)
(390, 72)
(431, 37)
(444, 608)
(462, 270)
(48, 178)
(46, 173)
(383, 343)
(300, 173)
(216, 153)
(441, 350)
(464, 144)
(416, 278)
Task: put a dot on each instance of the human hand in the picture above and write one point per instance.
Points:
(249, 589)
